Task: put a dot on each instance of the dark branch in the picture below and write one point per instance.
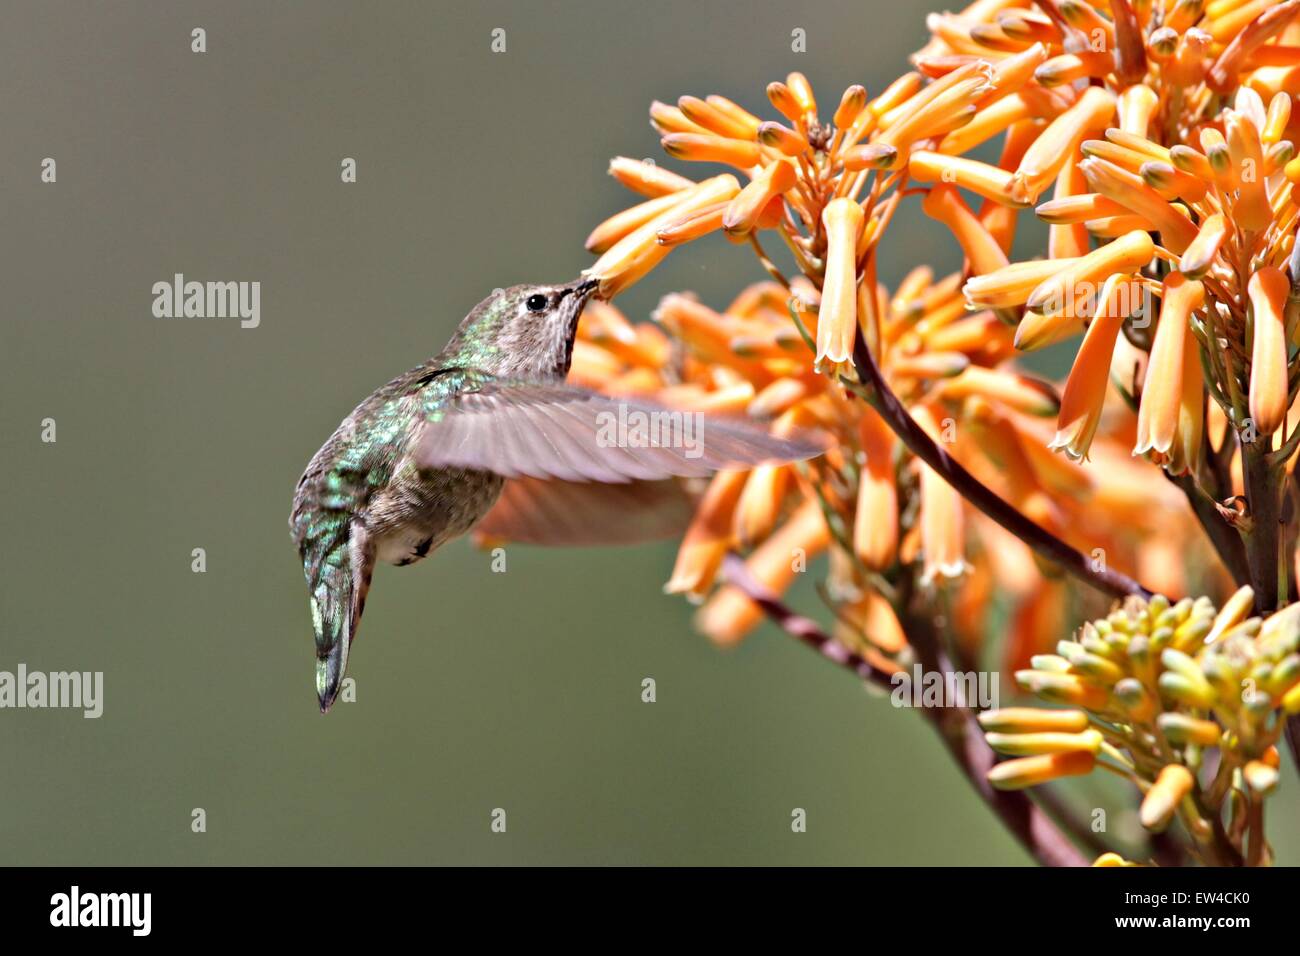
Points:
(1036, 831)
(922, 446)
(806, 630)
(1222, 537)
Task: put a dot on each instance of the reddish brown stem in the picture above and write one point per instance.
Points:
(1035, 830)
(923, 447)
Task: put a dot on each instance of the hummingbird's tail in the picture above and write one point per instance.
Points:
(339, 582)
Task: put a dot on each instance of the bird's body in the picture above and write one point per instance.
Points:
(368, 467)
(425, 458)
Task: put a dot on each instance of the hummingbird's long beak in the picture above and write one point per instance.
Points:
(582, 287)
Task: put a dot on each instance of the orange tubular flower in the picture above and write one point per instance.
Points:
(701, 222)
(1050, 151)
(1251, 210)
(1161, 801)
(837, 321)
(1068, 240)
(708, 538)
(875, 524)
(1129, 190)
(1013, 284)
(941, 107)
(1162, 398)
(1078, 207)
(1268, 290)
(646, 178)
(945, 204)
(616, 227)
(987, 181)
(787, 141)
(1074, 287)
(709, 148)
(1199, 255)
(639, 251)
(987, 123)
(1085, 389)
(742, 214)
(1031, 771)
(1136, 106)
(942, 537)
(1006, 387)
(758, 509)
(1166, 136)
(720, 116)
(729, 615)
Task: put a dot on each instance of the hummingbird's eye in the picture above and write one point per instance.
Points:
(536, 302)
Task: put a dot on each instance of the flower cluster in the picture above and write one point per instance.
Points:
(1154, 140)
(1185, 702)
(883, 516)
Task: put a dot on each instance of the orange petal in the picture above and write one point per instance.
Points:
(730, 615)
(1085, 389)
(837, 321)
(852, 103)
(1200, 253)
(1268, 289)
(942, 522)
(1078, 208)
(776, 397)
(1013, 284)
(987, 123)
(620, 224)
(1162, 799)
(743, 212)
(760, 503)
(785, 102)
(669, 119)
(1279, 116)
(1171, 182)
(1158, 413)
(1251, 211)
(1128, 189)
(708, 116)
(694, 225)
(707, 539)
(944, 203)
(1261, 25)
(1025, 772)
(1043, 160)
(639, 251)
(1069, 67)
(782, 138)
(1068, 241)
(1136, 106)
(747, 120)
(875, 525)
(1012, 389)
(647, 178)
(1077, 285)
(980, 178)
(708, 148)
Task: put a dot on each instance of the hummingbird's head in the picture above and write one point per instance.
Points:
(525, 331)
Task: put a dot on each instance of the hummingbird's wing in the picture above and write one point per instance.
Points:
(585, 513)
(557, 431)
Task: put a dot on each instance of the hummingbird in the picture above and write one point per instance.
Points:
(487, 433)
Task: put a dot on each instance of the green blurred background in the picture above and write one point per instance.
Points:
(475, 690)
